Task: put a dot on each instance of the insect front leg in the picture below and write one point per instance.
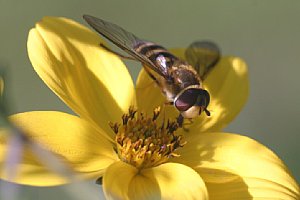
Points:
(181, 124)
(180, 120)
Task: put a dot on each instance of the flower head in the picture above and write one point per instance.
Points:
(142, 143)
(140, 155)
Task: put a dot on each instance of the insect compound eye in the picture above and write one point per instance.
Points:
(203, 98)
(191, 97)
(187, 99)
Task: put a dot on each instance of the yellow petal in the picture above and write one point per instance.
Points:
(74, 140)
(227, 84)
(168, 181)
(90, 80)
(116, 180)
(149, 97)
(177, 181)
(148, 94)
(237, 167)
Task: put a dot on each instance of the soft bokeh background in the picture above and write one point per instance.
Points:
(265, 33)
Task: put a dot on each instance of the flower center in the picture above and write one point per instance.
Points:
(143, 143)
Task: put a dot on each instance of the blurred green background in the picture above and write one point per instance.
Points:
(265, 33)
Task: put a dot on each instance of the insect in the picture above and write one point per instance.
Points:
(180, 81)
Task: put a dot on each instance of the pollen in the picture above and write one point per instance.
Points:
(144, 143)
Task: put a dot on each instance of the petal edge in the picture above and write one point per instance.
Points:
(237, 166)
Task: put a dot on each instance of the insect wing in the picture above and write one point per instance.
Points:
(123, 39)
(202, 55)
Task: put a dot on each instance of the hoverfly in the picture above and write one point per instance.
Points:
(180, 81)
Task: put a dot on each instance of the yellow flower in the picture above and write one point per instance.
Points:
(97, 86)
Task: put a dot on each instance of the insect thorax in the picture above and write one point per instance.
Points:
(182, 75)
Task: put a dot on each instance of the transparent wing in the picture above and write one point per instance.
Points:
(123, 39)
(202, 55)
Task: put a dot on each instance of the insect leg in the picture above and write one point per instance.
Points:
(190, 122)
(152, 76)
(116, 53)
(169, 103)
(180, 120)
(181, 124)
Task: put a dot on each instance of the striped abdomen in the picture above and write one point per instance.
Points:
(156, 54)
